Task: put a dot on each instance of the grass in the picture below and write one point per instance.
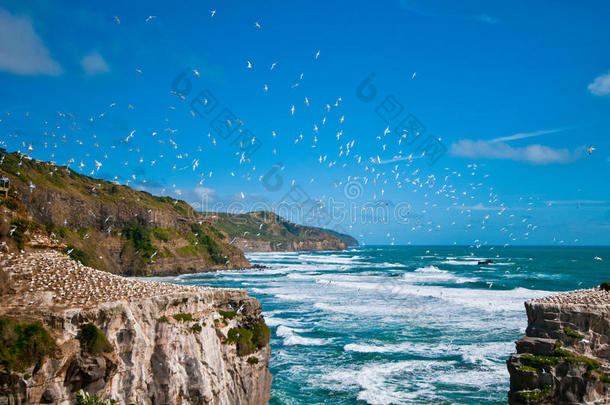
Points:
(537, 362)
(20, 226)
(250, 339)
(23, 345)
(77, 254)
(184, 317)
(93, 340)
(207, 243)
(163, 234)
(196, 328)
(572, 333)
(252, 360)
(63, 179)
(163, 319)
(536, 394)
(188, 250)
(227, 314)
(528, 369)
(140, 237)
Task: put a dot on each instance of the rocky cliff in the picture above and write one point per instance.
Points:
(565, 356)
(265, 231)
(109, 226)
(250, 245)
(128, 340)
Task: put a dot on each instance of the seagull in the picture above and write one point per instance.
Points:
(257, 25)
(413, 77)
(196, 72)
(317, 55)
(273, 65)
(117, 20)
(249, 65)
(150, 17)
(212, 13)
(599, 259)
(590, 149)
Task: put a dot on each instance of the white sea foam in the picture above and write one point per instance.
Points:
(291, 338)
(434, 274)
(375, 381)
(461, 262)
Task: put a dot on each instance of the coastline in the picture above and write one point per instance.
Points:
(168, 343)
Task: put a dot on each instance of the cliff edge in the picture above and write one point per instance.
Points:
(565, 356)
(66, 327)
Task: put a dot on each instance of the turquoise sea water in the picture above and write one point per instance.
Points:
(402, 325)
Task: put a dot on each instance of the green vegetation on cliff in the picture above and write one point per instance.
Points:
(93, 340)
(269, 227)
(249, 339)
(23, 345)
(108, 226)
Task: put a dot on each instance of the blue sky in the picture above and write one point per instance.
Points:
(516, 94)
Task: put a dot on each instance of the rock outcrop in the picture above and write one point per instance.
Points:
(565, 356)
(167, 343)
(265, 231)
(109, 226)
(251, 245)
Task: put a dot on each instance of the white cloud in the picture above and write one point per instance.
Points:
(533, 154)
(601, 85)
(22, 51)
(205, 193)
(94, 64)
(477, 207)
(523, 135)
(575, 202)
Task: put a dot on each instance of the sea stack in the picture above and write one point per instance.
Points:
(565, 356)
(128, 340)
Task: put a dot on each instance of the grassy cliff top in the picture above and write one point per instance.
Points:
(23, 169)
(268, 226)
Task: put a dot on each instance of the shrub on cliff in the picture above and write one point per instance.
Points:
(250, 339)
(140, 237)
(207, 243)
(77, 254)
(605, 286)
(20, 227)
(4, 282)
(24, 344)
(184, 317)
(93, 340)
(84, 398)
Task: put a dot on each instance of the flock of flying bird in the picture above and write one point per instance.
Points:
(455, 191)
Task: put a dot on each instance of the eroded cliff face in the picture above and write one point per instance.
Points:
(169, 344)
(109, 226)
(565, 356)
(250, 245)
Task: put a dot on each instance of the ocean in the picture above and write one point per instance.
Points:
(402, 325)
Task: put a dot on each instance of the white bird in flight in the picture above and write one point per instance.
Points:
(150, 17)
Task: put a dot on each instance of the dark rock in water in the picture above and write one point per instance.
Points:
(258, 266)
(487, 261)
